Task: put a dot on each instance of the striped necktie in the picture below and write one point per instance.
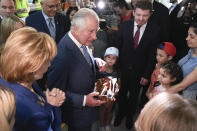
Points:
(136, 37)
(51, 28)
(86, 55)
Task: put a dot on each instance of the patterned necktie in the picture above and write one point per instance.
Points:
(86, 55)
(136, 37)
(51, 28)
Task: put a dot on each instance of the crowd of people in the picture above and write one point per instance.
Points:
(48, 70)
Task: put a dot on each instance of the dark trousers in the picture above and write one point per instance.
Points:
(71, 128)
(128, 95)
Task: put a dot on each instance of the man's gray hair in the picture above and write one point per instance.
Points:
(80, 17)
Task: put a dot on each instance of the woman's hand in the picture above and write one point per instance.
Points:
(55, 97)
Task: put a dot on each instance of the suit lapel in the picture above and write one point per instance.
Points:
(130, 33)
(57, 27)
(146, 33)
(44, 23)
(79, 56)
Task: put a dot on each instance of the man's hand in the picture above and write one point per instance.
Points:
(102, 65)
(91, 101)
(143, 81)
(55, 97)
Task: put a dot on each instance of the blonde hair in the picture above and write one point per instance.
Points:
(8, 25)
(7, 107)
(25, 51)
(168, 112)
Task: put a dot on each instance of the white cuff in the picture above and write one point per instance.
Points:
(84, 100)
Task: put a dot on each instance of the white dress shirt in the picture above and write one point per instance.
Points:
(142, 29)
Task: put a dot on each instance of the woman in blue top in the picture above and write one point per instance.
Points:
(25, 58)
(189, 67)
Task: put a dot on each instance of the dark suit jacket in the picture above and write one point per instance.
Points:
(70, 72)
(37, 21)
(30, 114)
(161, 17)
(142, 59)
(178, 34)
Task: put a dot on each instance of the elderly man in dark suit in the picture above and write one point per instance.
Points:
(73, 70)
(137, 41)
(48, 20)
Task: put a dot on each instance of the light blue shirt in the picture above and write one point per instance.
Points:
(46, 19)
(188, 64)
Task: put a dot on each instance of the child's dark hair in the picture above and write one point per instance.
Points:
(70, 9)
(194, 26)
(161, 46)
(174, 71)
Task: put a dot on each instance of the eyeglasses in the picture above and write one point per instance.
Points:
(52, 6)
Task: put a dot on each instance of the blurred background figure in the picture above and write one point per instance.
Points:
(66, 4)
(168, 112)
(8, 25)
(177, 32)
(7, 7)
(22, 8)
(89, 4)
(7, 108)
(70, 13)
(34, 6)
(122, 9)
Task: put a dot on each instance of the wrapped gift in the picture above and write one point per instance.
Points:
(107, 88)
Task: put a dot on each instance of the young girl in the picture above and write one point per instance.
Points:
(165, 52)
(110, 56)
(169, 74)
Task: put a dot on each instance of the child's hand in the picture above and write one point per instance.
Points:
(102, 65)
(143, 81)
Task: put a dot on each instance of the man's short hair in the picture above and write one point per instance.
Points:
(144, 5)
(79, 19)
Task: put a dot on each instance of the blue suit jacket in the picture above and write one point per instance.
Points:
(37, 21)
(71, 72)
(30, 114)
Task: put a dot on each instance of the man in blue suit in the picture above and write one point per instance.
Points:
(41, 20)
(72, 72)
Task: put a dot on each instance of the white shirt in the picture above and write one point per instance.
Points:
(142, 29)
(173, 6)
(46, 19)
